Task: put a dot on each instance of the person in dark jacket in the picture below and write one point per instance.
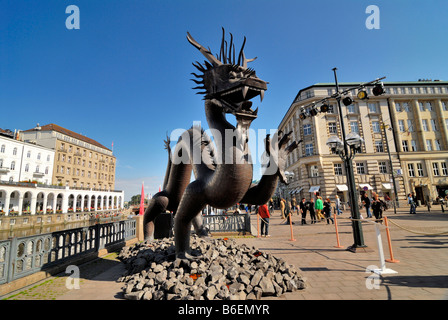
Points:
(303, 209)
(327, 211)
(310, 205)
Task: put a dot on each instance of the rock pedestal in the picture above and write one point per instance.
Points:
(221, 270)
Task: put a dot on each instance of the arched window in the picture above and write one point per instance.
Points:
(2, 149)
(14, 152)
(27, 167)
(13, 165)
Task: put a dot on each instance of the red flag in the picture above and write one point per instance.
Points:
(142, 201)
(160, 189)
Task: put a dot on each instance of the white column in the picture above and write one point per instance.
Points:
(33, 204)
(20, 204)
(7, 202)
(44, 204)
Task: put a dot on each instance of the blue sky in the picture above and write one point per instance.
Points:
(123, 77)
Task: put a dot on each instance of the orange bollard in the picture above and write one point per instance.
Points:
(337, 233)
(258, 226)
(389, 242)
(290, 225)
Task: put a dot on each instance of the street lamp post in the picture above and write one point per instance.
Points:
(349, 146)
(346, 150)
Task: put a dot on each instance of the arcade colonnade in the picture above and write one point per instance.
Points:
(18, 200)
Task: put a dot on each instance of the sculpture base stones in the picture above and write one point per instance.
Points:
(220, 270)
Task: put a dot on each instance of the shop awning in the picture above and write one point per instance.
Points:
(342, 187)
(368, 186)
(387, 186)
(314, 189)
(298, 190)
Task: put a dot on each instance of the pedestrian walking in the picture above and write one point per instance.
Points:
(282, 208)
(310, 205)
(338, 205)
(366, 202)
(303, 209)
(263, 212)
(318, 206)
(327, 211)
(377, 207)
(411, 202)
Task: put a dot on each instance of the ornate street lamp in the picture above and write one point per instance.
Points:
(346, 149)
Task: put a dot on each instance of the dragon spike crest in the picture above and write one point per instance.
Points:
(226, 53)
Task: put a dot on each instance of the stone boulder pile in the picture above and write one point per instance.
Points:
(220, 270)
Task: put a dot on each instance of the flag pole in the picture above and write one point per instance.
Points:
(142, 201)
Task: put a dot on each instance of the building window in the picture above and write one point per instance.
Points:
(308, 149)
(354, 126)
(332, 127)
(433, 125)
(48, 158)
(46, 170)
(398, 107)
(410, 126)
(13, 165)
(382, 166)
(444, 106)
(28, 154)
(425, 125)
(38, 156)
(306, 129)
(421, 106)
(444, 169)
(428, 145)
(379, 146)
(413, 145)
(360, 168)
(406, 106)
(27, 167)
(411, 171)
(376, 127)
(314, 171)
(438, 145)
(401, 125)
(14, 152)
(404, 145)
(351, 109)
(2, 149)
(420, 170)
(373, 108)
(435, 169)
(37, 169)
(338, 169)
(429, 106)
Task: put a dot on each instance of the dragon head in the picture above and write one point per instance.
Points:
(228, 80)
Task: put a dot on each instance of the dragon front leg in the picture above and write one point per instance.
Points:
(189, 211)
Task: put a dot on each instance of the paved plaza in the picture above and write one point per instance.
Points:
(419, 243)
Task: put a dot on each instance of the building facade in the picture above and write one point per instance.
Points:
(80, 162)
(24, 162)
(405, 141)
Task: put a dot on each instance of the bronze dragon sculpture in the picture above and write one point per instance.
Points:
(223, 169)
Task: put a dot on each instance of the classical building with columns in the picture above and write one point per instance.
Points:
(29, 198)
(405, 134)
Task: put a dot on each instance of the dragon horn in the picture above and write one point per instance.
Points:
(210, 57)
(241, 55)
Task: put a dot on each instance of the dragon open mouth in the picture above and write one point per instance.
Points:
(238, 98)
